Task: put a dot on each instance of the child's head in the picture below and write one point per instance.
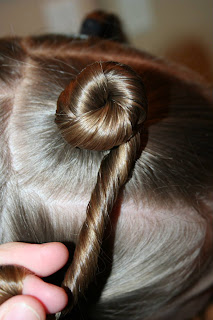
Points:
(148, 182)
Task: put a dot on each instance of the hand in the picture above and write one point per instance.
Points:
(38, 298)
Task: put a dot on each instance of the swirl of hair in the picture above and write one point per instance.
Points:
(102, 109)
(11, 281)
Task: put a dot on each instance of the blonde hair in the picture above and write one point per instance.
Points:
(96, 169)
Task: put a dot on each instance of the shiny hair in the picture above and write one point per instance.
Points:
(131, 193)
(102, 109)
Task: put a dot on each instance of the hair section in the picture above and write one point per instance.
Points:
(102, 109)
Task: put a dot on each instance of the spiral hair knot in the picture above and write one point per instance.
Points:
(103, 107)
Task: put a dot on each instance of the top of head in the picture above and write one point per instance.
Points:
(103, 107)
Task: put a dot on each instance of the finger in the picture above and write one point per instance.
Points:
(22, 308)
(53, 298)
(41, 259)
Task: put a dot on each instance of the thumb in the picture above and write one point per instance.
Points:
(22, 308)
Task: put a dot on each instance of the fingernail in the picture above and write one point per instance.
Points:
(22, 312)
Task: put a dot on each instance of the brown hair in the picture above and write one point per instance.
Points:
(102, 109)
(94, 153)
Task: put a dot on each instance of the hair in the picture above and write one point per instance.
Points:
(130, 188)
(104, 25)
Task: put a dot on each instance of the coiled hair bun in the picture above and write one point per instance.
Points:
(102, 108)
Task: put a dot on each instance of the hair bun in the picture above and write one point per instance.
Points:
(103, 107)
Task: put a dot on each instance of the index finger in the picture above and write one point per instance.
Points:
(41, 259)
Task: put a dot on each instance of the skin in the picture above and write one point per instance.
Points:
(38, 298)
